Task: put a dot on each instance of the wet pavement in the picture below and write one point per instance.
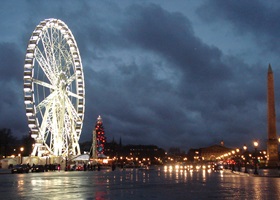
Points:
(157, 183)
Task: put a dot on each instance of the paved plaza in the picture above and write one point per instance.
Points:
(156, 183)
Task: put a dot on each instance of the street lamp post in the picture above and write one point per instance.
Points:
(21, 150)
(245, 157)
(256, 159)
(233, 161)
(238, 159)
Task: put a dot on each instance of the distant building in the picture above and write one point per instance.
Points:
(210, 153)
(111, 149)
(134, 152)
(143, 151)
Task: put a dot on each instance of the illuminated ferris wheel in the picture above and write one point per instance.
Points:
(54, 92)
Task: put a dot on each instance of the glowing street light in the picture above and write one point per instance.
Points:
(256, 159)
(237, 150)
(21, 150)
(245, 149)
(256, 144)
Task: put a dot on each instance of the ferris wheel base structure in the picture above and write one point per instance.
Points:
(44, 160)
(54, 90)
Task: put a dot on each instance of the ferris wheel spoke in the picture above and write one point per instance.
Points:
(71, 79)
(65, 55)
(57, 45)
(47, 127)
(46, 101)
(47, 42)
(74, 95)
(44, 64)
(44, 124)
(71, 109)
(44, 84)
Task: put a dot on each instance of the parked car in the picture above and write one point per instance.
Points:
(20, 169)
(38, 168)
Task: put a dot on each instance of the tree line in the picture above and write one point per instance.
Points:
(10, 145)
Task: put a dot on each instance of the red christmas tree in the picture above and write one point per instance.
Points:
(100, 137)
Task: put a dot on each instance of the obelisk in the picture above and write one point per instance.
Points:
(272, 142)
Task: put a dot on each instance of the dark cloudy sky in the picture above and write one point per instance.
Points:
(171, 73)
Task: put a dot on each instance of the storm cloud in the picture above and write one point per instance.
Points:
(157, 73)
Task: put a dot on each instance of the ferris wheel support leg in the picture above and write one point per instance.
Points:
(78, 149)
(34, 151)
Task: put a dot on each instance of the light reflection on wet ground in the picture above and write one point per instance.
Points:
(138, 184)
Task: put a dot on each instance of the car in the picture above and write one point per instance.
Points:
(38, 168)
(218, 167)
(20, 169)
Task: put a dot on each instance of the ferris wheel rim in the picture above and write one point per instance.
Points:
(33, 55)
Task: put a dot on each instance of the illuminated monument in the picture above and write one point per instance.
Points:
(272, 141)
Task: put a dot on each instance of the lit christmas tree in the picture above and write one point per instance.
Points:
(100, 137)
